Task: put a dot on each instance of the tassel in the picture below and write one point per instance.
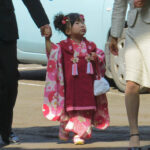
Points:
(74, 69)
(89, 68)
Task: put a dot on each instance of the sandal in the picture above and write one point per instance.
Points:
(77, 140)
(134, 148)
(63, 135)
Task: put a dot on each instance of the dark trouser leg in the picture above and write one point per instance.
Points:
(8, 84)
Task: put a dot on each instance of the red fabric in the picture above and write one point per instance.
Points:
(78, 89)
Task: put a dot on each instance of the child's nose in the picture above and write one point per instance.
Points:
(82, 24)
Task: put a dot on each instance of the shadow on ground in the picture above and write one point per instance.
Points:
(113, 133)
(50, 135)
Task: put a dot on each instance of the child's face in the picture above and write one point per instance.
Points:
(78, 29)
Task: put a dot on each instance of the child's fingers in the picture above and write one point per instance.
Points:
(47, 32)
(47, 29)
(94, 54)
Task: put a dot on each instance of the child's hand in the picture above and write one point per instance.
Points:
(48, 45)
(47, 39)
(47, 33)
(93, 56)
(46, 30)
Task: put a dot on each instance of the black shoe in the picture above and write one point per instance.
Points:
(12, 139)
(2, 143)
(134, 148)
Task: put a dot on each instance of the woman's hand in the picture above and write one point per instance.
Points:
(93, 56)
(113, 46)
(139, 3)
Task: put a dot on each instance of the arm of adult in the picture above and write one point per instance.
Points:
(38, 14)
(118, 21)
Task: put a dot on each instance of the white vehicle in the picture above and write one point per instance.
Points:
(31, 47)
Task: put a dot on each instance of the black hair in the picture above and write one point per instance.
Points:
(70, 20)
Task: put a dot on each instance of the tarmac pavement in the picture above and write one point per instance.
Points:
(37, 133)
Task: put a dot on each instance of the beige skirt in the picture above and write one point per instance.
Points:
(137, 53)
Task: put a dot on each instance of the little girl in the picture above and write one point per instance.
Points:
(71, 71)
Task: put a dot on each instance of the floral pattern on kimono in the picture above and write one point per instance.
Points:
(79, 122)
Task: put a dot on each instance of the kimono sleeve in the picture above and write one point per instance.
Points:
(53, 105)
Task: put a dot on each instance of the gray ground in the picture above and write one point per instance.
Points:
(37, 133)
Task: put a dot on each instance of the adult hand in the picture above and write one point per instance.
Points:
(113, 46)
(46, 31)
(139, 3)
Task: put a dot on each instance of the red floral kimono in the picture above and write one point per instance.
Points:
(68, 95)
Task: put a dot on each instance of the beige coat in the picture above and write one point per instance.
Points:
(119, 14)
(137, 44)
